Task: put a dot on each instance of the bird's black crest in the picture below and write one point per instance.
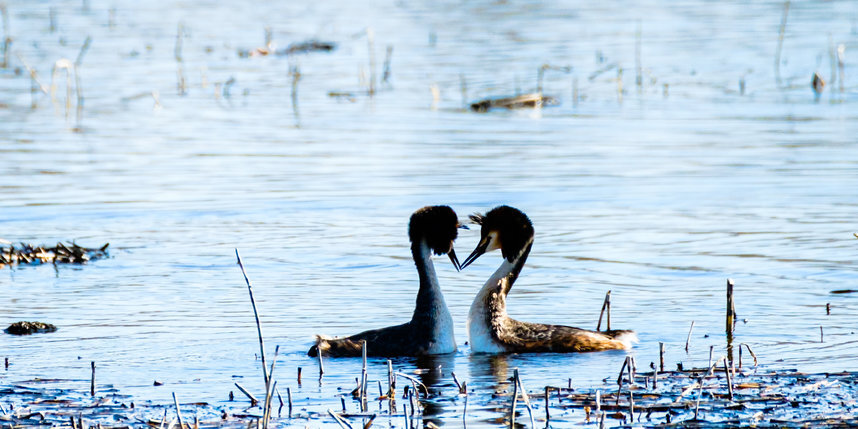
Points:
(437, 224)
(513, 227)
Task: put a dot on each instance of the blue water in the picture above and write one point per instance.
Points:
(657, 193)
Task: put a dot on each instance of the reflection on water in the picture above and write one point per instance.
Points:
(658, 192)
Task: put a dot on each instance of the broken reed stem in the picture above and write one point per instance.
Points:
(77, 86)
(321, 365)
(385, 74)
(269, 390)
(749, 351)
(525, 397)
(661, 356)
(181, 86)
(460, 386)
(178, 412)
(370, 40)
(391, 381)
(256, 316)
(68, 66)
(638, 66)
(575, 92)
(688, 340)
(296, 77)
(729, 379)
(253, 400)
(547, 413)
(416, 383)
(463, 86)
(781, 43)
(821, 337)
(344, 424)
(514, 399)
(279, 396)
(363, 377)
(731, 308)
(606, 304)
(7, 40)
(289, 399)
(299, 375)
(92, 383)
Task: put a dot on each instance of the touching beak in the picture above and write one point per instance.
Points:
(481, 248)
(454, 259)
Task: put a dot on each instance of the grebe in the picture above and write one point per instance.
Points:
(432, 229)
(490, 329)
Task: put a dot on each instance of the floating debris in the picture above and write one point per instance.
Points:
(308, 46)
(524, 101)
(28, 328)
(67, 254)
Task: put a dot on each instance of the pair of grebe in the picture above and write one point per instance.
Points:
(490, 330)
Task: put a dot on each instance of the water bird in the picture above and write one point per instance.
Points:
(490, 329)
(432, 229)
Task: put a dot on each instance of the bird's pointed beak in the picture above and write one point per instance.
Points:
(454, 259)
(481, 248)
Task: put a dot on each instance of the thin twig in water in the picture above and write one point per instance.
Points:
(688, 340)
(256, 316)
(605, 304)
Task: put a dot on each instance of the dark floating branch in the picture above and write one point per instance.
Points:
(61, 253)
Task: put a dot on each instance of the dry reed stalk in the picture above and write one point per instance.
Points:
(841, 66)
(729, 379)
(181, 85)
(525, 397)
(253, 400)
(462, 387)
(68, 66)
(295, 72)
(661, 356)
(321, 365)
(7, 40)
(821, 336)
(92, 382)
(385, 74)
(344, 424)
(547, 413)
(178, 412)
(391, 381)
(299, 375)
(415, 382)
(731, 308)
(688, 340)
(78, 90)
(289, 398)
(514, 400)
(638, 66)
(370, 40)
(256, 316)
(463, 86)
(781, 32)
(575, 92)
(606, 304)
